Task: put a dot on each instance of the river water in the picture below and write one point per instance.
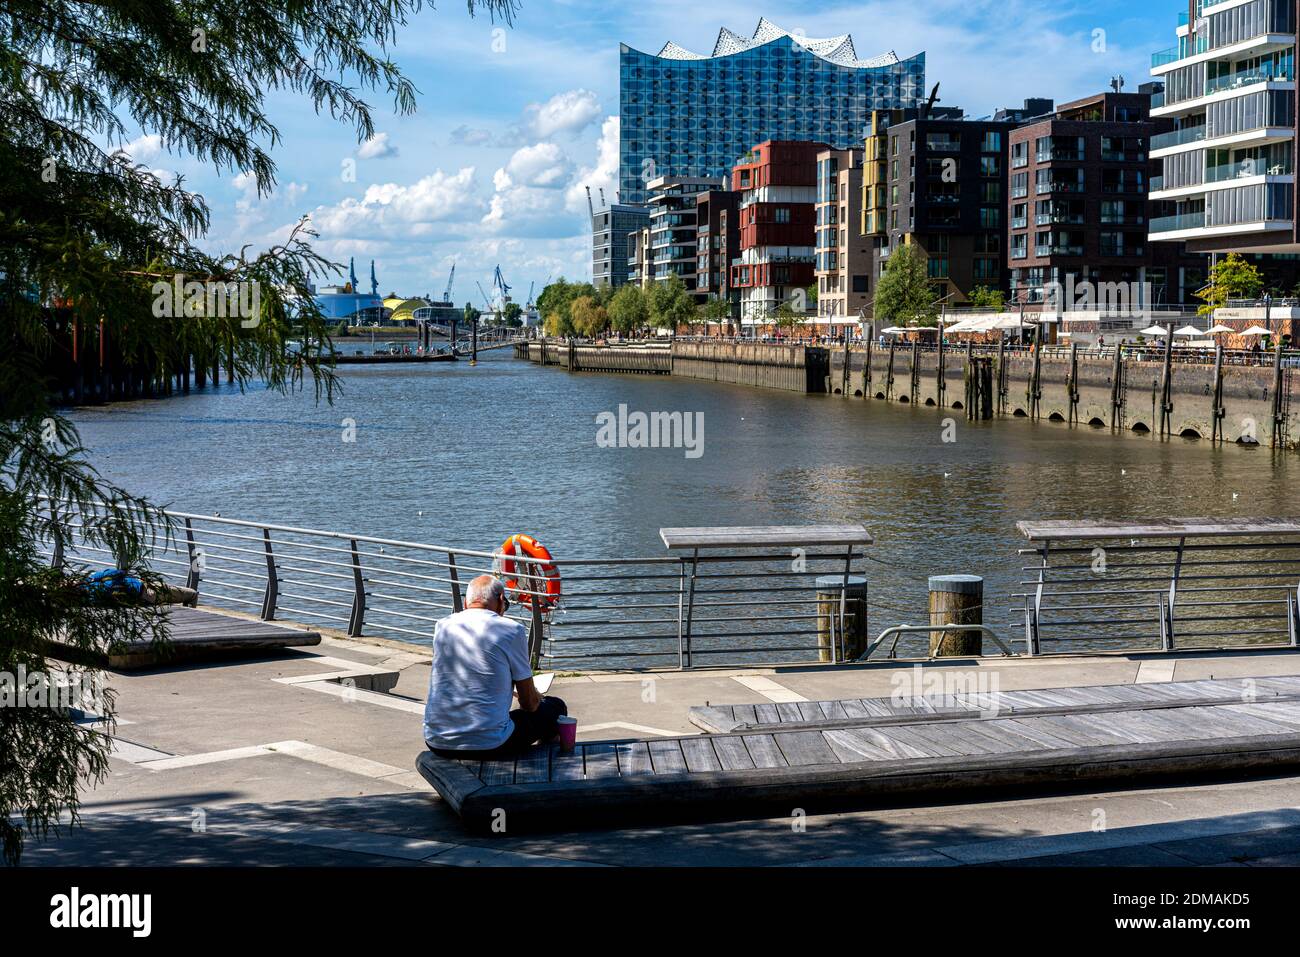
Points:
(461, 455)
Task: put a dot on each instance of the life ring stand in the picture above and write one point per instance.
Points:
(543, 578)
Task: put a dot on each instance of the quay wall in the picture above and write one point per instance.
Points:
(1225, 403)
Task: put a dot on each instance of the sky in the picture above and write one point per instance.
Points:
(512, 122)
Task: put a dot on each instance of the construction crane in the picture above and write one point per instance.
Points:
(934, 98)
(500, 287)
(446, 296)
(482, 293)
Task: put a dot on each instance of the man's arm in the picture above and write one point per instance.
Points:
(529, 698)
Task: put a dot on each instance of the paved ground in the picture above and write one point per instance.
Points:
(272, 762)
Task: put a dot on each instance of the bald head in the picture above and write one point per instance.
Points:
(486, 591)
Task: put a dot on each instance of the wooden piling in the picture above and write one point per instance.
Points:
(1217, 411)
(956, 600)
(1117, 386)
(855, 638)
(1072, 416)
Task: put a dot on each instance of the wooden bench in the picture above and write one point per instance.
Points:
(195, 635)
(848, 712)
(820, 769)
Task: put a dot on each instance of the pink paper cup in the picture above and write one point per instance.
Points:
(568, 728)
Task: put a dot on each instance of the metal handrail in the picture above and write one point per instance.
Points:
(898, 630)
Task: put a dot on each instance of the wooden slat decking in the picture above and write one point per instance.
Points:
(925, 753)
(754, 536)
(1050, 531)
(196, 634)
(1098, 698)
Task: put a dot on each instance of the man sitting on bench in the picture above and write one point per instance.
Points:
(478, 656)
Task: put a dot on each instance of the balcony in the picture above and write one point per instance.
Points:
(1060, 186)
(1164, 57)
(1171, 224)
(1123, 156)
(1058, 219)
(1020, 222)
(1244, 169)
(1237, 81)
(1060, 155)
(1191, 134)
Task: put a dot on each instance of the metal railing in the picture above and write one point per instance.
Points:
(750, 606)
(742, 606)
(1161, 594)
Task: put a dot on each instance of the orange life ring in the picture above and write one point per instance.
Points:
(526, 545)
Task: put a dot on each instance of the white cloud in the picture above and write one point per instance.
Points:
(144, 148)
(471, 136)
(394, 209)
(602, 175)
(570, 113)
(377, 147)
(542, 165)
(531, 191)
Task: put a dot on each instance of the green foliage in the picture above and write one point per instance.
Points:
(589, 318)
(629, 309)
(671, 303)
(905, 294)
(556, 303)
(785, 316)
(91, 241)
(986, 297)
(1232, 277)
(716, 310)
(512, 314)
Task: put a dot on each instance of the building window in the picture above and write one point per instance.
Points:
(992, 142)
(783, 214)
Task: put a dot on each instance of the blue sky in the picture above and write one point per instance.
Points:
(513, 122)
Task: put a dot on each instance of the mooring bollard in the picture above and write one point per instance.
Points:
(828, 617)
(956, 600)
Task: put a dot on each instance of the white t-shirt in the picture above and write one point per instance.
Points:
(477, 658)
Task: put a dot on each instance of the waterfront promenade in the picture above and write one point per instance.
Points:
(295, 760)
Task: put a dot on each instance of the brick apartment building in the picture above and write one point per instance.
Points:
(777, 187)
(941, 185)
(717, 234)
(844, 256)
(1079, 209)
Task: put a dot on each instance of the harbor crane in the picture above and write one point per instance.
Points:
(483, 293)
(446, 296)
(500, 288)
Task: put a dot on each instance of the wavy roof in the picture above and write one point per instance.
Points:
(838, 50)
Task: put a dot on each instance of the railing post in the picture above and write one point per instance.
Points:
(1292, 622)
(357, 619)
(192, 576)
(536, 631)
(457, 603)
(690, 604)
(56, 559)
(272, 596)
(1173, 593)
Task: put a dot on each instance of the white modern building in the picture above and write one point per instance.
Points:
(1228, 167)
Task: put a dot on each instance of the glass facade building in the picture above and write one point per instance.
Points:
(687, 114)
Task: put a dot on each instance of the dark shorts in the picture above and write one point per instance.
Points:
(530, 728)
